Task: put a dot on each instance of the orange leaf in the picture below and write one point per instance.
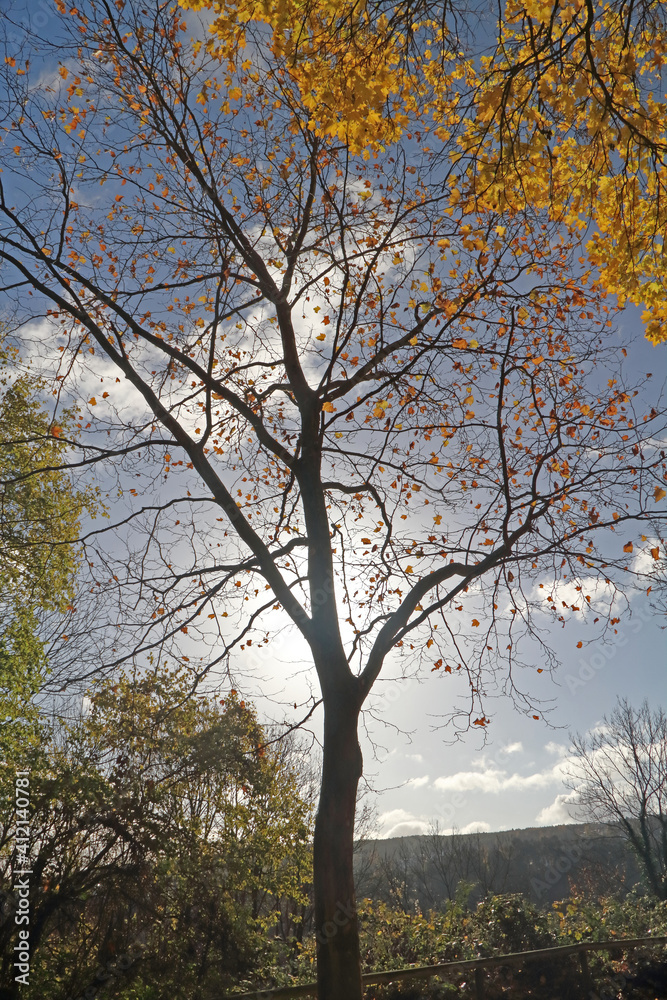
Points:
(579, 645)
(656, 552)
(628, 547)
(328, 407)
(475, 622)
(56, 431)
(659, 493)
(63, 72)
(460, 344)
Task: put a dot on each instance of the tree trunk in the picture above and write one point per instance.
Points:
(336, 926)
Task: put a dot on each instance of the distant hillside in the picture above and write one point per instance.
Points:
(543, 863)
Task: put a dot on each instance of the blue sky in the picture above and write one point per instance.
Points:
(467, 784)
(418, 772)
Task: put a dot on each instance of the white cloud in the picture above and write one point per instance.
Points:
(557, 749)
(558, 812)
(412, 828)
(417, 782)
(477, 826)
(568, 594)
(496, 780)
(470, 781)
(513, 748)
(400, 823)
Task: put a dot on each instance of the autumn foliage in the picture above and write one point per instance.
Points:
(336, 307)
(563, 110)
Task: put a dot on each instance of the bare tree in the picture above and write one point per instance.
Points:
(619, 775)
(443, 861)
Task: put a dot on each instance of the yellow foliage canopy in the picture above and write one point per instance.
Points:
(567, 114)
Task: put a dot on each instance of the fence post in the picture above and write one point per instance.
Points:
(479, 982)
(586, 973)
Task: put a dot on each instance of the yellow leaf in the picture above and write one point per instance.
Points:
(659, 493)
(321, 336)
(328, 407)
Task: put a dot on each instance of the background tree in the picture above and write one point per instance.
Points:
(339, 387)
(41, 508)
(619, 775)
(167, 834)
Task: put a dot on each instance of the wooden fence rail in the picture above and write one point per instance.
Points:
(478, 965)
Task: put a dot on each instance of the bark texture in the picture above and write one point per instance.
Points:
(338, 956)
